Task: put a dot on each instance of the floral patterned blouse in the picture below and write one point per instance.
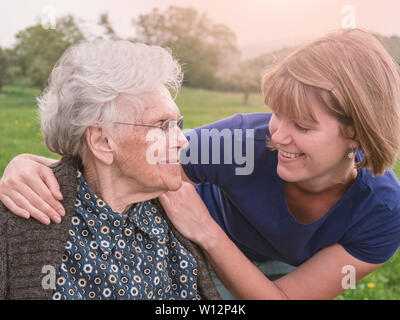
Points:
(113, 256)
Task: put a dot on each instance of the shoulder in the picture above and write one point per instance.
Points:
(26, 247)
(17, 229)
(383, 190)
(11, 224)
(30, 232)
(374, 231)
(258, 122)
(65, 171)
(232, 147)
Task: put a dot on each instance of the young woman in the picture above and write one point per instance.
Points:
(321, 197)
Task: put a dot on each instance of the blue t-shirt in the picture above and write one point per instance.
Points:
(252, 208)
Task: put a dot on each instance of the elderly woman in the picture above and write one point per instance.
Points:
(115, 242)
(321, 198)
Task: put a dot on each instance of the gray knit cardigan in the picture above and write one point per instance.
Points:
(27, 246)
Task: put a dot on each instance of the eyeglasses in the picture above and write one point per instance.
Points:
(165, 126)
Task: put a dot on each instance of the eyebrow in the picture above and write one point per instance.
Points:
(307, 122)
(164, 117)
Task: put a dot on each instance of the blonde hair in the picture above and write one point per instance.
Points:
(353, 76)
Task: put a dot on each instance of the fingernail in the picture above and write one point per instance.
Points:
(61, 211)
(57, 219)
(45, 220)
(25, 215)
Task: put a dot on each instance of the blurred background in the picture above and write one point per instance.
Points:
(224, 46)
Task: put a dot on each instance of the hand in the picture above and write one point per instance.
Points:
(189, 214)
(30, 189)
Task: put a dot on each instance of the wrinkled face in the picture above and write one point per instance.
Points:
(308, 151)
(150, 156)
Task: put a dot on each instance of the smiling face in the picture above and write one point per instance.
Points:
(309, 152)
(147, 155)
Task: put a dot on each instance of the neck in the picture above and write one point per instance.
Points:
(335, 183)
(114, 188)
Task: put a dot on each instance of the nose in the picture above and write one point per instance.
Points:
(182, 141)
(280, 132)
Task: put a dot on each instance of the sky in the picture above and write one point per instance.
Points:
(256, 23)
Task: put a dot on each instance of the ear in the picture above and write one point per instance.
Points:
(99, 144)
(350, 134)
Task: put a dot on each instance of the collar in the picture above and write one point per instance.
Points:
(108, 226)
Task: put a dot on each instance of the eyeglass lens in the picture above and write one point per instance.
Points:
(170, 124)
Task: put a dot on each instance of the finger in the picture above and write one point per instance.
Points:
(35, 205)
(22, 202)
(165, 202)
(51, 182)
(187, 187)
(43, 192)
(15, 208)
(163, 199)
(40, 204)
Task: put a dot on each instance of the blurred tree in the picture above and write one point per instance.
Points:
(198, 43)
(38, 49)
(392, 45)
(12, 70)
(108, 29)
(244, 77)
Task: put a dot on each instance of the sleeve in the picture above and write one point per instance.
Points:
(210, 155)
(376, 238)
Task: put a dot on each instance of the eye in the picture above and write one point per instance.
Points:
(302, 129)
(160, 123)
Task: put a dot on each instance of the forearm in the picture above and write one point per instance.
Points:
(239, 275)
(191, 217)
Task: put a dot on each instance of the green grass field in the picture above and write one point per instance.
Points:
(20, 133)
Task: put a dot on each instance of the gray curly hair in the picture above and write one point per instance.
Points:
(86, 81)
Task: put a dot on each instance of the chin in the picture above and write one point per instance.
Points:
(171, 184)
(175, 186)
(286, 176)
(170, 177)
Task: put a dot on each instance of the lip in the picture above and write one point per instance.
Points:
(166, 162)
(289, 151)
(289, 160)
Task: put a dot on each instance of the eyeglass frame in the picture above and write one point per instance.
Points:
(179, 124)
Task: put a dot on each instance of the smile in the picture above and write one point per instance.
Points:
(290, 155)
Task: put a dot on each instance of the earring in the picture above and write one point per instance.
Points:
(352, 154)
